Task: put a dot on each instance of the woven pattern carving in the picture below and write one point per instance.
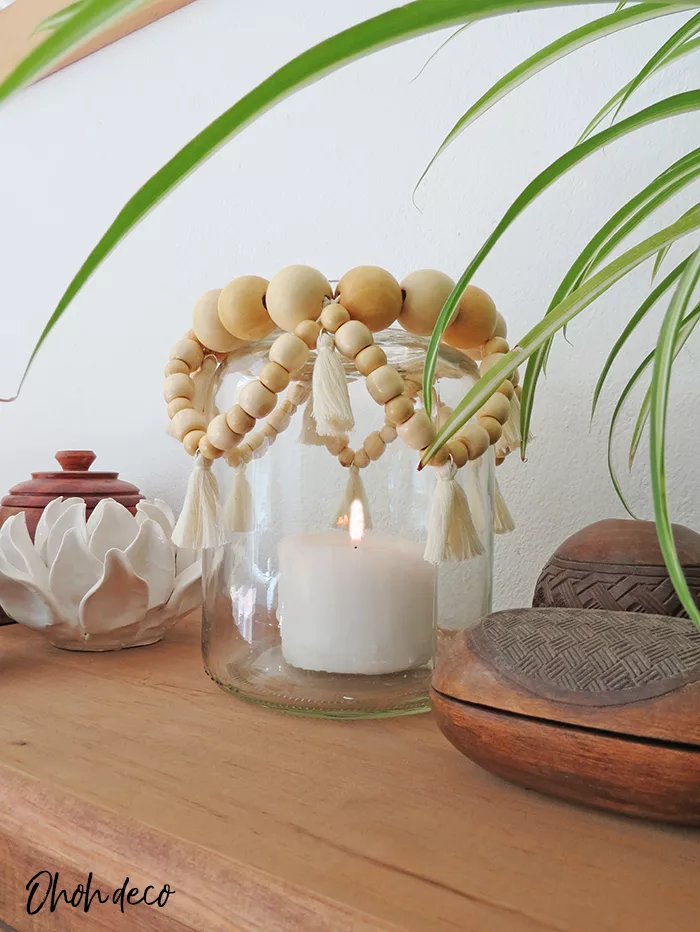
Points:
(570, 584)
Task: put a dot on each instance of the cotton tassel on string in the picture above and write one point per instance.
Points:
(332, 411)
(308, 435)
(451, 532)
(354, 491)
(502, 519)
(511, 428)
(200, 525)
(238, 511)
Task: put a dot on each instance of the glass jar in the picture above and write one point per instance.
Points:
(300, 615)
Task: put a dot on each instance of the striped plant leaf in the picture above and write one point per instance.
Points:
(433, 55)
(658, 262)
(60, 16)
(660, 390)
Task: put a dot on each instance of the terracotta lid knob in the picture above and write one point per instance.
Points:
(76, 460)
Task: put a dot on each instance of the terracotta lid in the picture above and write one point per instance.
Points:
(633, 543)
(74, 481)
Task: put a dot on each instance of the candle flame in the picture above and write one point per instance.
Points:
(357, 521)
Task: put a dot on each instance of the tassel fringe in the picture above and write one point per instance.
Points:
(451, 532)
(354, 491)
(502, 519)
(331, 406)
(200, 525)
(238, 511)
(511, 429)
(308, 435)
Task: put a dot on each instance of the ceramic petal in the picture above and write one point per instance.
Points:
(71, 517)
(112, 526)
(151, 510)
(184, 559)
(23, 601)
(167, 511)
(119, 598)
(152, 557)
(17, 539)
(74, 571)
(187, 594)
(46, 522)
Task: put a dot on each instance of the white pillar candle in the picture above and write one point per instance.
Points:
(347, 606)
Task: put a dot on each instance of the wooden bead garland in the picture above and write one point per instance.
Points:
(299, 300)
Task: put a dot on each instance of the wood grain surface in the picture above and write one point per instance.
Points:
(135, 763)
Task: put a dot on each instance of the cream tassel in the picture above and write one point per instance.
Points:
(511, 429)
(332, 411)
(199, 526)
(308, 435)
(502, 519)
(354, 491)
(451, 532)
(238, 511)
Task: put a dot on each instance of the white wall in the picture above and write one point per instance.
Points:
(325, 179)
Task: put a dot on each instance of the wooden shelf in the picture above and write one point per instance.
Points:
(134, 763)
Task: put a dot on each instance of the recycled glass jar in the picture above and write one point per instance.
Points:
(307, 611)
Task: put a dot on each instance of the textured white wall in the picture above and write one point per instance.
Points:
(325, 179)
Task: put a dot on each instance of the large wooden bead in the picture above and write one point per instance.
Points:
(178, 404)
(361, 459)
(177, 367)
(308, 331)
(388, 433)
(221, 435)
(506, 388)
(242, 310)
(489, 362)
(256, 400)
(178, 386)
(476, 439)
(346, 457)
(208, 450)
(189, 352)
(207, 326)
(439, 458)
(186, 420)
(334, 316)
(501, 328)
(425, 293)
(370, 358)
(289, 351)
(335, 444)
(274, 377)
(190, 442)
(399, 409)
(371, 295)
(492, 427)
(417, 432)
(296, 293)
(352, 338)
(458, 451)
(384, 384)
(474, 322)
(374, 446)
(239, 420)
(496, 406)
(495, 345)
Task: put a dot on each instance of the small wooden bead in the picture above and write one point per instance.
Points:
(497, 406)
(190, 442)
(501, 328)
(417, 432)
(440, 457)
(233, 458)
(489, 362)
(279, 420)
(374, 446)
(242, 310)
(308, 331)
(221, 435)
(515, 378)
(384, 384)
(269, 433)
(474, 322)
(352, 338)
(334, 316)
(425, 293)
(256, 400)
(476, 439)
(518, 392)
(361, 459)
(207, 449)
(399, 410)
(370, 358)
(186, 420)
(178, 404)
(388, 433)
(274, 377)
(458, 451)
(443, 414)
(371, 295)
(335, 444)
(299, 392)
(207, 326)
(506, 388)
(492, 427)
(239, 420)
(175, 367)
(245, 453)
(288, 407)
(178, 386)
(495, 345)
(289, 351)
(255, 440)
(346, 457)
(188, 351)
(296, 293)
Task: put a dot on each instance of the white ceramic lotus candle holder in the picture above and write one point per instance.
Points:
(115, 580)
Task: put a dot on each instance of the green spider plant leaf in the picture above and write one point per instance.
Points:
(658, 262)
(662, 109)
(59, 17)
(452, 35)
(689, 324)
(660, 389)
(686, 31)
(576, 302)
(688, 47)
(91, 17)
(555, 51)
